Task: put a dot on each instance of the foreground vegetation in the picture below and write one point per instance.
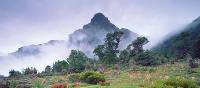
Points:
(164, 76)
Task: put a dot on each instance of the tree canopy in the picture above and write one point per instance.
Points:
(60, 65)
(77, 60)
(107, 52)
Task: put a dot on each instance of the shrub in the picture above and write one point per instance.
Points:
(60, 85)
(74, 77)
(13, 83)
(175, 83)
(179, 82)
(3, 83)
(92, 77)
(158, 84)
(42, 75)
(38, 84)
(24, 82)
(148, 58)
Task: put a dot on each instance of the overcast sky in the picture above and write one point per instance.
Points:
(25, 22)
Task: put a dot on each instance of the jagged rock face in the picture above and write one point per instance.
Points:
(94, 33)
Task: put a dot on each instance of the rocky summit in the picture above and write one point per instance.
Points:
(93, 34)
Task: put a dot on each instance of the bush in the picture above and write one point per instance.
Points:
(179, 82)
(150, 58)
(12, 83)
(92, 77)
(74, 77)
(175, 83)
(38, 84)
(60, 85)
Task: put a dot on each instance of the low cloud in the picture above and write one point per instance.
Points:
(48, 55)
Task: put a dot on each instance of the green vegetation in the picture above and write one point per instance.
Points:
(59, 66)
(181, 44)
(14, 73)
(73, 78)
(176, 83)
(107, 52)
(162, 76)
(132, 67)
(30, 71)
(38, 84)
(13, 83)
(179, 82)
(92, 77)
(77, 60)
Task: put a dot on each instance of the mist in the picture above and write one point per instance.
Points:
(27, 22)
(49, 53)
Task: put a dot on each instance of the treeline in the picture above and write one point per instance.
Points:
(108, 54)
(26, 71)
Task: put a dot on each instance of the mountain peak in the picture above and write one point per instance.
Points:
(99, 19)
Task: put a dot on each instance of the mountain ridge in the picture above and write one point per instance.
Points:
(94, 33)
(185, 42)
(85, 39)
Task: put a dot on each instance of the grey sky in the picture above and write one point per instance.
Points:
(25, 22)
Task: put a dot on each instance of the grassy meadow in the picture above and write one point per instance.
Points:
(137, 77)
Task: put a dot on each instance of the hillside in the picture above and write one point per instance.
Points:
(164, 76)
(187, 41)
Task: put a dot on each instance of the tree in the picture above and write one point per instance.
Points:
(196, 48)
(137, 46)
(48, 69)
(107, 52)
(124, 57)
(182, 46)
(99, 51)
(30, 71)
(34, 70)
(146, 59)
(60, 65)
(13, 73)
(77, 60)
(137, 55)
(191, 63)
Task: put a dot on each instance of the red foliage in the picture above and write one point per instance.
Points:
(60, 85)
(76, 83)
